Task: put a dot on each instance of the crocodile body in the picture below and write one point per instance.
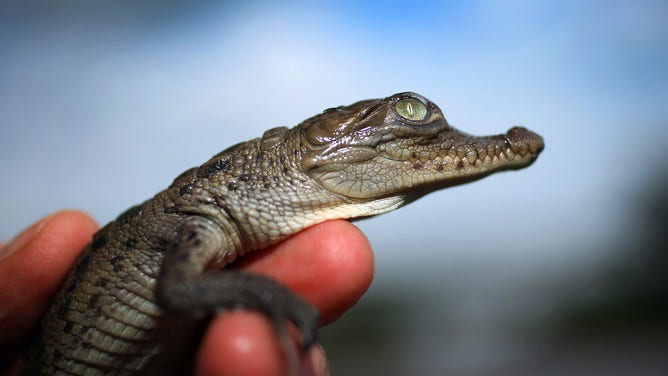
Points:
(137, 300)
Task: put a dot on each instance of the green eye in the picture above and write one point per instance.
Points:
(411, 109)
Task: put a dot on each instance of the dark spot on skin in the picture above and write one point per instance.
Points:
(127, 215)
(197, 242)
(99, 241)
(184, 257)
(267, 186)
(460, 165)
(130, 243)
(115, 263)
(68, 326)
(93, 302)
(244, 177)
(439, 167)
(82, 266)
(286, 170)
(65, 307)
(417, 166)
(210, 170)
(232, 186)
(413, 155)
(162, 242)
(191, 235)
(223, 164)
(72, 286)
(67, 300)
(103, 282)
(186, 189)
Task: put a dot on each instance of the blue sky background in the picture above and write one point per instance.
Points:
(103, 104)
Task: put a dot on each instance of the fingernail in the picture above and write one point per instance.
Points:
(23, 238)
(315, 362)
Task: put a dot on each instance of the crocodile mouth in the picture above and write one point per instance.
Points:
(453, 152)
(448, 158)
(517, 148)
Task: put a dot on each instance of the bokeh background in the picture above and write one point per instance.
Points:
(557, 269)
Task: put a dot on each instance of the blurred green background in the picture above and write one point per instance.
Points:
(557, 269)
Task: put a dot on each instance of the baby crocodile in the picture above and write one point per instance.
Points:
(140, 291)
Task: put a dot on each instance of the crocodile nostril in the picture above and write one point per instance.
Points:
(522, 138)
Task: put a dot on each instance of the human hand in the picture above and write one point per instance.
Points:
(330, 265)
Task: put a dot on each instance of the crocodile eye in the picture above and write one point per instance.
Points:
(411, 109)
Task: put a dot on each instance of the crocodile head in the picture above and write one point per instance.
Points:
(402, 145)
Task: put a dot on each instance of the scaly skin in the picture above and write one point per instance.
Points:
(137, 299)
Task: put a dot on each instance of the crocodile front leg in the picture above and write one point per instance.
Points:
(185, 285)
